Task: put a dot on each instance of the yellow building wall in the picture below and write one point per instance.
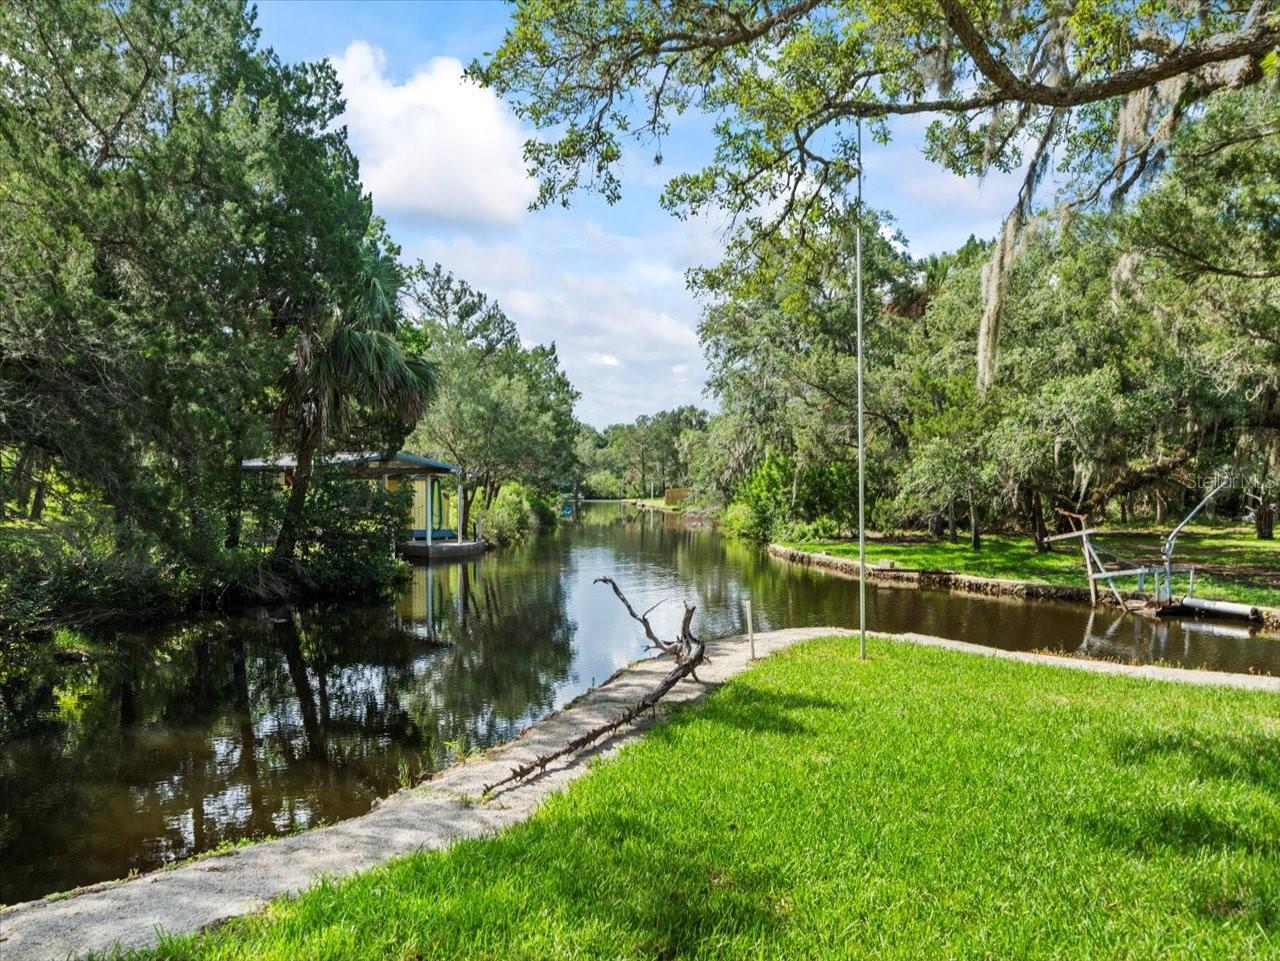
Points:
(418, 509)
(419, 504)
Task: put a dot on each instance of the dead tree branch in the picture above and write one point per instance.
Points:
(689, 652)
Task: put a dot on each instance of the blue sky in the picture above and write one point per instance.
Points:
(442, 159)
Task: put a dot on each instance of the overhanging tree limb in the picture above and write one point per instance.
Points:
(1256, 40)
(1135, 478)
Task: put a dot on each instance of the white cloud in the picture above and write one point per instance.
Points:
(436, 146)
(444, 162)
(621, 327)
(939, 189)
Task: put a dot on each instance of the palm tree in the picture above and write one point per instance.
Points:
(349, 358)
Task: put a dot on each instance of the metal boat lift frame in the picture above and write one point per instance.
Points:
(1161, 573)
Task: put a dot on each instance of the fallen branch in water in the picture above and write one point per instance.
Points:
(689, 653)
(681, 647)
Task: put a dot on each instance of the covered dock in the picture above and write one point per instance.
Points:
(435, 501)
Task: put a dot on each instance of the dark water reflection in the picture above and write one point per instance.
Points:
(178, 739)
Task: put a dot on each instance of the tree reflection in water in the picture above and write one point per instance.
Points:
(172, 741)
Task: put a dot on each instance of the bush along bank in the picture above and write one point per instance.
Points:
(516, 512)
(52, 579)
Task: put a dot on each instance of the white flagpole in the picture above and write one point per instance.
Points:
(862, 480)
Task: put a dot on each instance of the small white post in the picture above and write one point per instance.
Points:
(751, 630)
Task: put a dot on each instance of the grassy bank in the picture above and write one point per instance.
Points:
(1236, 566)
(923, 804)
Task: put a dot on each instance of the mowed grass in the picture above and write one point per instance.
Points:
(1239, 566)
(922, 804)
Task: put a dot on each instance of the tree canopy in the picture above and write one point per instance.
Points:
(1139, 357)
(505, 411)
(191, 275)
(1099, 86)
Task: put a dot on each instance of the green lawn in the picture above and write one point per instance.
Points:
(1237, 566)
(924, 804)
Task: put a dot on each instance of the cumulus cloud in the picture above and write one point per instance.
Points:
(624, 329)
(443, 159)
(437, 146)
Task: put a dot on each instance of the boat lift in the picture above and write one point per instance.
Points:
(1163, 599)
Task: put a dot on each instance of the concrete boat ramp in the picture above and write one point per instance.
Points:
(202, 893)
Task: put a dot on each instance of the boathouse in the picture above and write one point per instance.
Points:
(437, 491)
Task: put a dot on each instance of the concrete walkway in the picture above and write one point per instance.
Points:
(203, 893)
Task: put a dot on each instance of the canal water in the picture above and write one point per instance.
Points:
(175, 740)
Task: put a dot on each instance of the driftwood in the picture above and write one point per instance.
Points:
(681, 647)
(689, 652)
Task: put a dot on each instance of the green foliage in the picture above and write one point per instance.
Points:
(780, 499)
(823, 528)
(1215, 214)
(786, 795)
(788, 85)
(1126, 380)
(348, 535)
(767, 496)
(737, 520)
(46, 584)
(515, 512)
(602, 483)
(348, 531)
(188, 254)
(652, 453)
(1117, 378)
(504, 412)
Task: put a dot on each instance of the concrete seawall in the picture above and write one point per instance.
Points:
(968, 583)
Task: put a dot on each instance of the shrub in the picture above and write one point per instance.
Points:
(509, 517)
(821, 529)
(738, 520)
(791, 503)
(347, 548)
(763, 499)
(349, 533)
(602, 483)
(45, 584)
(546, 509)
(515, 512)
